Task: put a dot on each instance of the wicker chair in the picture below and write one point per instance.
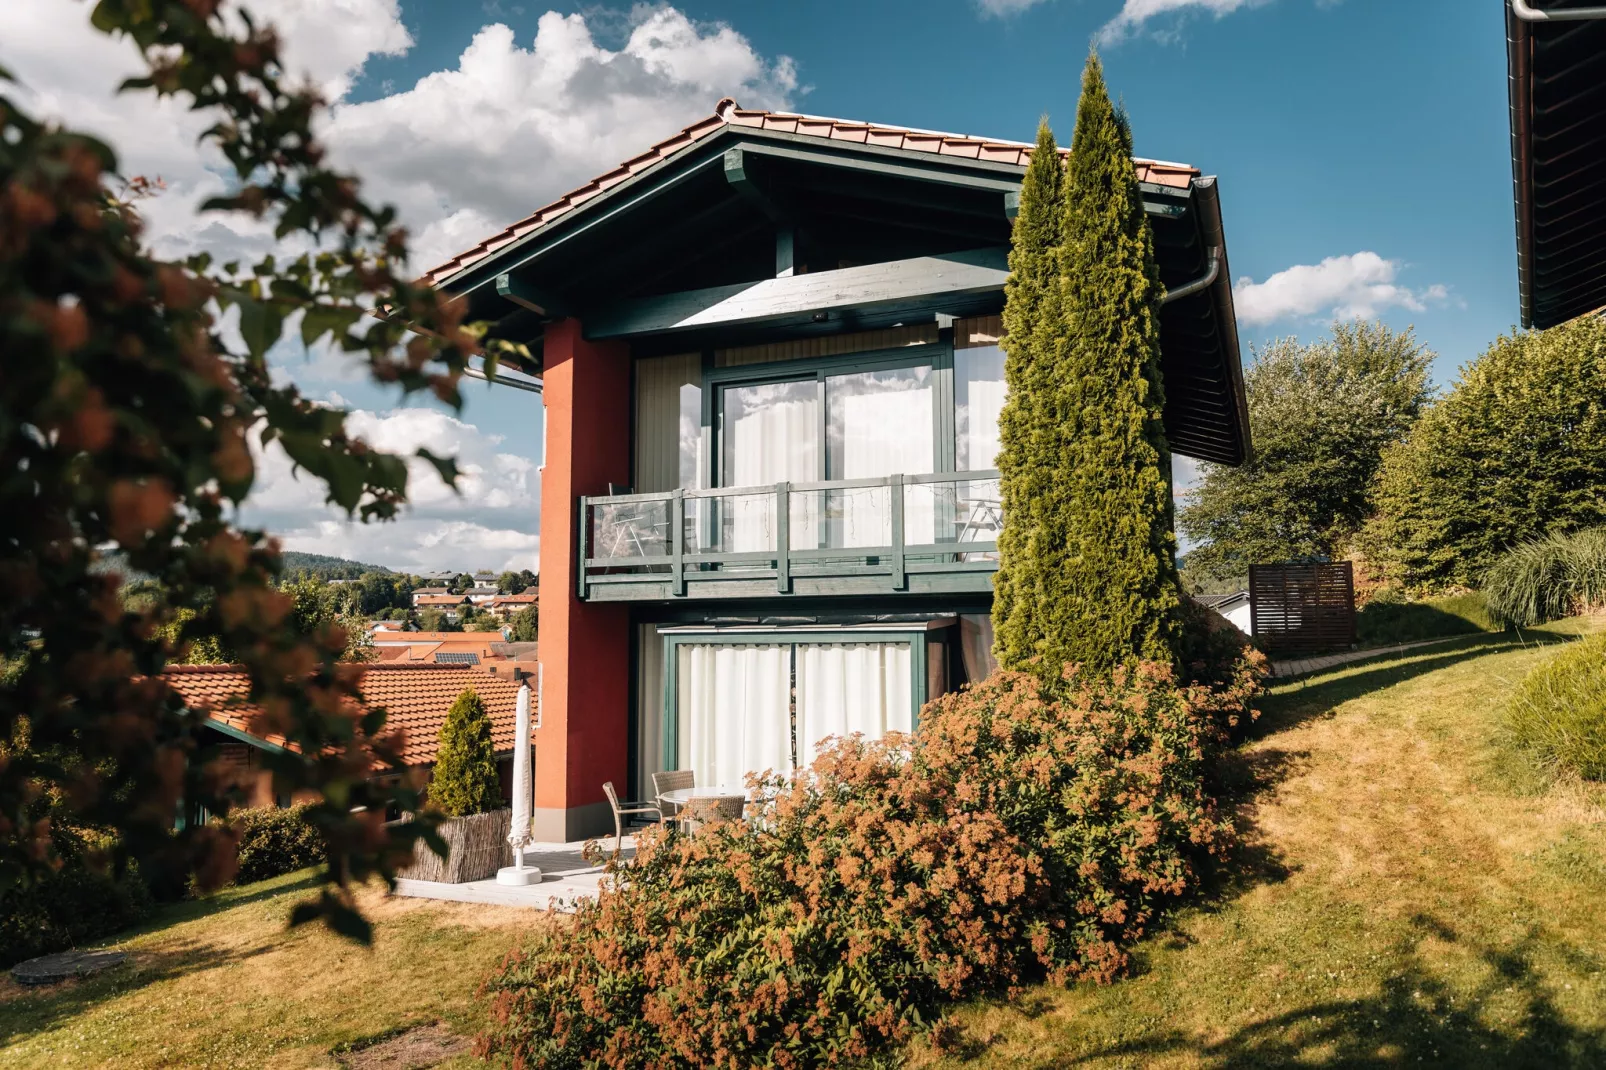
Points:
(620, 809)
(711, 810)
(673, 780)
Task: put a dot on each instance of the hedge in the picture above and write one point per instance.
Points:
(1389, 619)
(78, 903)
(1030, 830)
(274, 842)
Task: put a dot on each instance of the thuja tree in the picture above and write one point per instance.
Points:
(465, 780)
(124, 416)
(1088, 568)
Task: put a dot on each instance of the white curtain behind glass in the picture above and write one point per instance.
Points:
(772, 436)
(978, 399)
(649, 709)
(734, 711)
(881, 425)
(851, 687)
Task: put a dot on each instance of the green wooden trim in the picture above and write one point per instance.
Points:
(895, 492)
(739, 174)
(243, 736)
(677, 540)
(783, 538)
(583, 534)
(803, 298)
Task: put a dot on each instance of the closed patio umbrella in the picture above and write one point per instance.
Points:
(519, 832)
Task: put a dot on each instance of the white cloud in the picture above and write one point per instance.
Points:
(1357, 285)
(492, 523)
(468, 150)
(1135, 14)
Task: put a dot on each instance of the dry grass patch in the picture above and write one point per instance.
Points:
(1417, 894)
(223, 983)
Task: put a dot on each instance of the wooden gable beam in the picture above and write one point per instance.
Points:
(917, 282)
(521, 293)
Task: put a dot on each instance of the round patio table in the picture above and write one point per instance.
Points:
(732, 800)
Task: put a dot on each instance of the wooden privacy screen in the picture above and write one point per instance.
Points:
(1302, 609)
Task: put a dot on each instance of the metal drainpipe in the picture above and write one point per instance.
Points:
(1523, 11)
(1197, 284)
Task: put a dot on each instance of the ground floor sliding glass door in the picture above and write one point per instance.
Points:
(732, 703)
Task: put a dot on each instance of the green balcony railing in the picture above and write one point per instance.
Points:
(868, 534)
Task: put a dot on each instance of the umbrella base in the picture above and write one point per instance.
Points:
(517, 876)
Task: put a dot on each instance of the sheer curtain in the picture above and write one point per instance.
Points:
(880, 424)
(734, 706)
(851, 687)
(978, 399)
(772, 435)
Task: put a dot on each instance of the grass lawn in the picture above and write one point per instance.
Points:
(1416, 895)
(221, 983)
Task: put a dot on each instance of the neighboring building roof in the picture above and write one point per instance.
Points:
(728, 113)
(441, 600)
(431, 590)
(516, 651)
(1556, 84)
(436, 646)
(527, 598)
(415, 698)
(1222, 602)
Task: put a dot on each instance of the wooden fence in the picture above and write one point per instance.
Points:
(1302, 609)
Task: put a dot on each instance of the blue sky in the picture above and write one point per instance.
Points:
(1361, 145)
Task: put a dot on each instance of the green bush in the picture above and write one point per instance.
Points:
(465, 780)
(76, 904)
(1559, 710)
(274, 841)
(1549, 578)
(1388, 619)
(1028, 831)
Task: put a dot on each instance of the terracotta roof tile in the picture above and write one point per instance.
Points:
(415, 698)
(728, 113)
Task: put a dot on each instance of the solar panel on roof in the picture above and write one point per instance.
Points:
(453, 658)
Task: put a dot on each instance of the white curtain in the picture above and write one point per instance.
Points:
(649, 709)
(886, 433)
(770, 443)
(734, 711)
(981, 431)
(851, 687)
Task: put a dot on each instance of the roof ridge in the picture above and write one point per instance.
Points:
(727, 112)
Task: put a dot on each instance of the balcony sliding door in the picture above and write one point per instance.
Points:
(734, 707)
(770, 433)
(878, 423)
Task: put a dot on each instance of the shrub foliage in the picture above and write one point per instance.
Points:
(1549, 578)
(274, 842)
(465, 780)
(1087, 569)
(82, 900)
(1388, 618)
(1516, 449)
(1559, 711)
(1031, 830)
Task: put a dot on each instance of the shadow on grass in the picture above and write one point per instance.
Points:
(1511, 1020)
(1292, 702)
(30, 1010)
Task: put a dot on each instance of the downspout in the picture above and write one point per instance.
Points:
(1523, 11)
(1201, 283)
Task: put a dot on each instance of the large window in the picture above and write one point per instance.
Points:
(978, 399)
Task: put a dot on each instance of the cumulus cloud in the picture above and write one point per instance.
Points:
(490, 522)
(1358, 285)
(1135, 14)
(468, 150)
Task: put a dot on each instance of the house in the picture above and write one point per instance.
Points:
(462, 648)
(1555, 68)
(1233, 607)
(450, 604)
(429, 592)
(505, 605)
(415, 697)
(768, 348)
(483, 596)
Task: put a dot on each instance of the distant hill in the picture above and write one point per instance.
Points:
(325, 567)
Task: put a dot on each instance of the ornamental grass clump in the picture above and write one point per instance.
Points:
(1549, 578)
(1030, 831)
(1558, 713)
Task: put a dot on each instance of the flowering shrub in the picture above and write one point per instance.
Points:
(1022, 834)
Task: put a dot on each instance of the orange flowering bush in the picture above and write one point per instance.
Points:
(1022, 834)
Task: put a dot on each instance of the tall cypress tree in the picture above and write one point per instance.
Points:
(1031, 324)
(465, 780)
(1097, 554)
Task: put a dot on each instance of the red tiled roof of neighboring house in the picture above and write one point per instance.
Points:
(528, 598)
(424, 646)
(440, 600)
(728, 113)
(415, 698)
(431, 590)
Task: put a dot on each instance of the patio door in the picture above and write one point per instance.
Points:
(735, 708)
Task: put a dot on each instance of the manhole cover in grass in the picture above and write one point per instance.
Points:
(412, 1049)
(63, 965)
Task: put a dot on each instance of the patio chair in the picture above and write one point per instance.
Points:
(673, 780)
(620, 809)
(711, 810)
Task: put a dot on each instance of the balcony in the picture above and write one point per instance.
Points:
(914, 534)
